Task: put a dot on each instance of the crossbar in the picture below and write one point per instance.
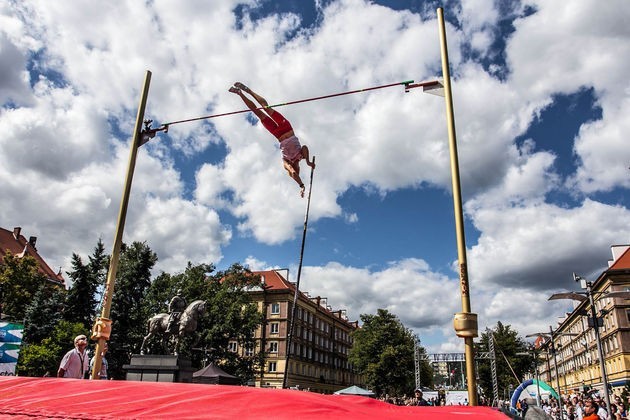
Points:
(409, 84)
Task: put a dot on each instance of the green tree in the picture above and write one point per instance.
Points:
(97, 266)
(44, 312)
(82, 299)
(192, 282)
(230, 313)
(19, 281)
(232, 316)
(383, 351)
(44, 358)
(133, 279)
(511, 366)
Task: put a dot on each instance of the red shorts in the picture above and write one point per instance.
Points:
(277, 124)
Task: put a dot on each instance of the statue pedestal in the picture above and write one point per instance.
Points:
(159, 368)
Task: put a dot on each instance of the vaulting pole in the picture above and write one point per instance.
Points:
(297, 284)
(465, 322)
(102, 326)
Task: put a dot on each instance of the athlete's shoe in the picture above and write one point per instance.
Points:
(241, 86)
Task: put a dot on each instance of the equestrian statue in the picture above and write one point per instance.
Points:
(175, 325)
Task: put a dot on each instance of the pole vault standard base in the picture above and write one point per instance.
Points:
(159, 368)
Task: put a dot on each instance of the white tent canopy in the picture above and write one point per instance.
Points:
(355, 390)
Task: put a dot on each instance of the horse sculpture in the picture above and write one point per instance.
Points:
(158, 325)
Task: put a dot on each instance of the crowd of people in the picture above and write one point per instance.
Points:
(578, 406)
(418, 399)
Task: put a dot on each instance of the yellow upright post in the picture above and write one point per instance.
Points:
(465, 322)
(102, 326)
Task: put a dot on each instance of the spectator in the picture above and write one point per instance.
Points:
(590, 410)
(75, 362)
(579, 408)
(602, 411)
(419, 400)
(103, 373)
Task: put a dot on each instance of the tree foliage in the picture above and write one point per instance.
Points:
(133, 280)
(383, 351)
(43, 313)
(43, 358)
(511, 366)
(81, 301)
(231, 316)
(19, 281)
(230, 313)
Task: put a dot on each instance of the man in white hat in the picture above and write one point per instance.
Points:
(75, 362)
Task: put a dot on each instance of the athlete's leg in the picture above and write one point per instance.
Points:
(305, 156)
(294, 172)
(262, 101)
(251, 105)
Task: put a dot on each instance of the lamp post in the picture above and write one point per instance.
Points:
(533, 353)
(552, 335)
(587, 294)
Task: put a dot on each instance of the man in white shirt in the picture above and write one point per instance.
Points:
(75, 362)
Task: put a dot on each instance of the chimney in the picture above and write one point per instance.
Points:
(16, 232)
(32, 241)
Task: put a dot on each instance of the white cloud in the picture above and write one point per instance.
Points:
(535, 246)
(166, 225)
(407, 288)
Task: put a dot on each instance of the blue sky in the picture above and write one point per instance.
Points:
(541, 104)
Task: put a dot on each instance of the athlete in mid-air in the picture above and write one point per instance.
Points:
(280, 128)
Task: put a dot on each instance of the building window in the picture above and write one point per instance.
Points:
(272, 367)
(275, 308)
(275, 328)
(232, 346)
(273, 347)
(249, 349)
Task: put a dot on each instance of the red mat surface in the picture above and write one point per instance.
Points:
(55, 398)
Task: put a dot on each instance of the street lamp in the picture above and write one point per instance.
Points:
(533, 353)
(552, 335)
(595, 320)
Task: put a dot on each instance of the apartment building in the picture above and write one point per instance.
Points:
(574, 364)
(320, 342)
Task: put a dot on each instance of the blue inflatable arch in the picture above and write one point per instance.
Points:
(529, 389)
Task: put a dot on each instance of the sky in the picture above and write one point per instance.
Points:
(540, 90)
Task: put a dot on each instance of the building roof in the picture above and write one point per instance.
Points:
(274, 281)
(620, 262)
(15, 242)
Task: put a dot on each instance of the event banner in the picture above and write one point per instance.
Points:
(10, 341)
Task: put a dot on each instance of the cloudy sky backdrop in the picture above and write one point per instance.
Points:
(541, 95)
